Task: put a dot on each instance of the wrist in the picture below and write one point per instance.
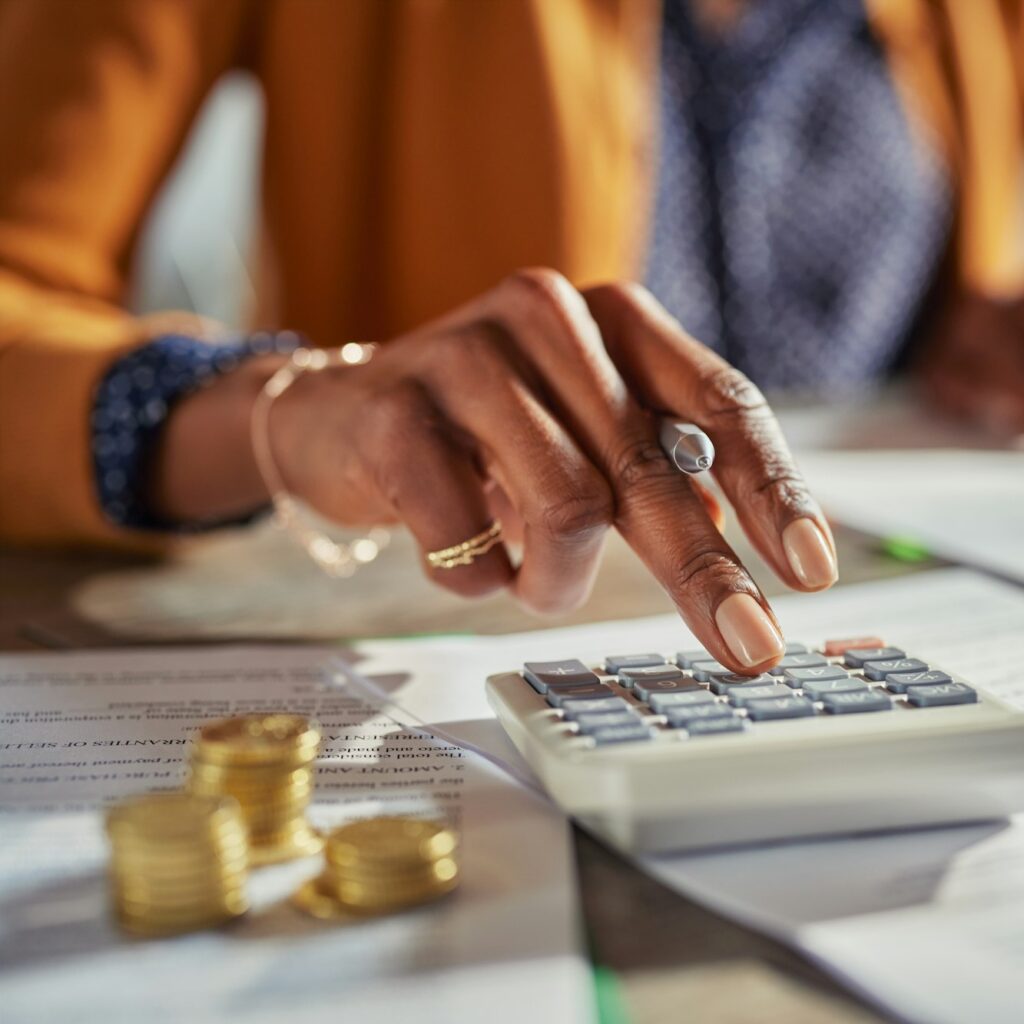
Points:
(203, 467)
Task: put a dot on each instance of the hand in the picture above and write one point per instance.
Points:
(975, 368)
(537, 402)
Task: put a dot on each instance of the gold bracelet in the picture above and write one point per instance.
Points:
(336, 558)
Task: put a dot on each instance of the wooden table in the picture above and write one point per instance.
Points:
(673, 959)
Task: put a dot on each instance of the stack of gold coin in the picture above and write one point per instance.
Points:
(179, 862)
(380, 865)
(266, 763)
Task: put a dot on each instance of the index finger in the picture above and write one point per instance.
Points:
(656, 508)
(671, 371)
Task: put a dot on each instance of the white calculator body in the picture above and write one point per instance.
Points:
(675, 753)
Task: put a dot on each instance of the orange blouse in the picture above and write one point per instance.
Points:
(416, 151)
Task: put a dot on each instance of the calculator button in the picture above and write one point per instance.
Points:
(574, 708)
(543, 674)
(816, 689)
(798, 676)
(680, 718)
(796, 649)
(780, 707)
(852, 702)
(834, 648)
(620, 734)
(879, 670)
(795, 676)
(661, 703)
(588, 723)
(798, 661)
(615, 663)
(740, 696)
(685, 659)
(704, 670)
(857, 658)
(645, 691)
(722, 682)
(650, 674)
(901, 682)
(714, 726)
(941, 694)
(558, 698)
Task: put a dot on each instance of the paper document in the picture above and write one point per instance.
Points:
(906, 918)
(81, 729)
(967, 506)
(929, 924)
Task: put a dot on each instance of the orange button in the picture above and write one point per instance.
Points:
(833, 648)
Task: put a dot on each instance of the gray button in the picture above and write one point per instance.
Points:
(740, 696)
(856, 657)
(542, 674)
(943, 693)
(798, 661)
(859, 700)
(644, 691)
(661, 702)
(723, 682)
(559, 697)
(685, 659)
(617, 662)
(575, 708)
(588, 723)
(681, 717)
(798, 676)
(796, 649)
(817, 688)
(900, 682)
(878, 670)
(780, 707)
(650, 674)
(704, 670)
(714, 726)
(621, 734)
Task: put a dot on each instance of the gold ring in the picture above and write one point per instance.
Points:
(468, 551)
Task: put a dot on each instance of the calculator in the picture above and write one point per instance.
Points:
(658, 752)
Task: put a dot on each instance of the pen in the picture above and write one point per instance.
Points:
(687, 446)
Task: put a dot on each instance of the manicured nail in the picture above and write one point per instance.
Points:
(810, 554)
(751, 636)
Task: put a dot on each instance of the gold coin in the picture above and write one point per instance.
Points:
(323, 898)
(166, 818)
(390, 840)
(378, 877)
(153, 924)
(309, 899)
(301, 841)
(258, 739)
(201, 882)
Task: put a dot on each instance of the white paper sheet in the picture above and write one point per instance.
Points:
(925, 923)
(967, 506)
(906, 918)
(82, 729)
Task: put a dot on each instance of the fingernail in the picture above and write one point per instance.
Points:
(810, 554)
(748, 631)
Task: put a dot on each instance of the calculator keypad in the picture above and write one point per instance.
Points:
(642, 697)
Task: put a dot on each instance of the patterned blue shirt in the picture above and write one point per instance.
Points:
(798, 223)
(797, 228)
(132, 404)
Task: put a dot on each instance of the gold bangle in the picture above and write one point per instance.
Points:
(467, 551)
(334, 557)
